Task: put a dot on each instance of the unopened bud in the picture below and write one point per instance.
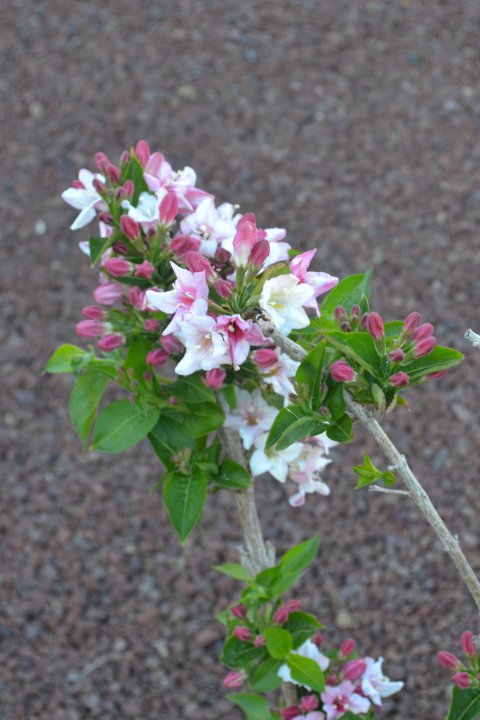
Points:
(347, 647)
(222, 255)
(436, 375)
(105, 218)
(355, 312)
(242, 633)
(223, 287)
(309, 703)
(293, 605)
(468, 644)
(142, 151)
(239, 611)
(411, 323)
(265, 358)
(462, 680)
(364, 321)
(243, 242)
(129, 227)
(144, 270)
(259, 641)
(235, 679)
(99, 186)
(120, 248)
(399, 379)
(108, 343)
(341, 371)
(397, 355)
(422, 332)
(113, 174)
(375, 326)
(215, 378)
(129, 188)
(354, 669)
(260, 252)
(137, 297)
(425, 346)
(118, 267)
(198, 263)
(318, 639)
(339, 313)
(157, 357)
(448, 660)
(101, 161)
(92, 312)
(345, 326)
(291, 712)
(108, 293)
(281, 615)
(125, 158)
(181, 244)
(91, 328)
(168, 208)
(171, 344)
(151, 325)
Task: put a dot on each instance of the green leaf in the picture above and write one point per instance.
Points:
(279, 642)
(393, 328)
(290, 568)
(465, 704)
(191, 389)
(135, 174)
(232, 476)
(265, 678)
(184, 497)
(167, 438)
(302, 626)
(254, 706)
(309, 374)
(62, 359)
(122, 425)
(359, 347)
(84, 401)
(306, 671)
(342, 430)
(291, 424)
(136, 358)
(202, 419)
(369, 474)
(98, 245)
(441, 358)
(234, 570)
(238, 654)
(334, 399)
(347, 293)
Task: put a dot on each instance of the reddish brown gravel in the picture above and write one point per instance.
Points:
(355, 124)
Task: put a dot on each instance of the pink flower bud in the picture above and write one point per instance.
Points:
(157, 357)
(265, 358)
(78, 185)
(293, 605)
(259, 253)
(411, 323)
(215, 378)
(151, 325)
(181, 244)
(399, 379)
(345, 326)
(448, 660)
(223, 287)
(235, 679)
(92, 312)
(106, 218)
(108, 293)
(347, 647)
(144, 270)
(259, 641)
(375, 326)
(222, 255)
(125, 158)
(339, 313)
(462, 680)
(436, 375)
(91, 328)
(101, 161)
(198, 263)
(341, 371)
(468, 644)
(120, 248)
(281, 615)
(118, 267)
(239, 611)
(111, 342)
(242, 633)
(171, 344)
(354, 669)
(309, 703)
(364, 321)
(137, 297)
(129, 188)
(129, 227)
(113, 173)
(99, 186)
(168, 208)
(243, 242)
(425, 346)
(355, 312)
(142, 151)
(318, 639)
(397, 355)
(291, 712)
(424, 331)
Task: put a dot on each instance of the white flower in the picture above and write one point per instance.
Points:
(279, 374)
(84, 198)
(307, 650)
(374, 683)
(252, 416)
(147, 208)
(211, 225)
(276, 462)
(206, 348)
(282, 298)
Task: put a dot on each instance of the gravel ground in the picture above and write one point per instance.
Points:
(353, 123)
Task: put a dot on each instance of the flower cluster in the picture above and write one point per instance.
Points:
(467, 674)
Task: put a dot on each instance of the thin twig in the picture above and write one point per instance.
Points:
(387, 491)
(473, 338)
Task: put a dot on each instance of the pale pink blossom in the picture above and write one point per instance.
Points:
(205, 347)
(276, 462)
(277, 373)
(211, 225)
(251, 417)
(283, 298)
(321, 282)
(187, 288)
(84, 197)
(307, 650)
(375, 684)
(235, 331)
(158, 174)
(339, 699)
(305, 470)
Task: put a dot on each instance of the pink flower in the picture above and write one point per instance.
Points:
(137, 297)
(342, 698)
(341, 371)
(252, 416)
(157, 357)
(260, 253)
(321, 282)
(375, 684)
(265, 358)
(196, 263)
(235, 679)
(171, 344)
(215, 378)
(211, 225)
(206, 347)
(243, 243)
(309, 703)
(306, 468)
(347, 647)
(235, 331)
(239, 611)
(277, 373)
(182, 244)
(188, 288)
(168, 209)
(307, 650)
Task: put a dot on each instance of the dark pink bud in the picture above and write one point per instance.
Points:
(411, 323)
(144, 270)
(215, 378)
(309, 703)
(399, 379)
(99, 186)
(354, 669)
(142, 151)
(171, 344)
(242, 633)
(113, 174)
(151, 325)
(91, 328)
(265, 358)
(223, 287)
(291, 712)
(293, 605)
(339, 313)
(436, 375)
(235, 679)
(125, 158)
(347, 647)
(341, 371)
(259, 641)
(222, 255)
(364, 321)
(198, 263)
(281, 615)
(118, 267)
(101, 161)
(425, 346)
(375, 326)
(422, 332)
(239, 611)
(181, 244)
(468, 644)
(345, 326)
(120, 248)
(243, 242)
(318, 639)
(128, 188)
(260, 252)
(136, 297)
(92, 312)
(110, 342)
(448, 660)
(168, 208)
(355, 312)
(108, 294)
(129, 227)
(106, 218)
(157, 357)
(462, 680)
(397, 355)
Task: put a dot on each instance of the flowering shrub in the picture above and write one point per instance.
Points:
(211, 326)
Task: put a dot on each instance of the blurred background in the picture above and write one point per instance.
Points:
(353, 123)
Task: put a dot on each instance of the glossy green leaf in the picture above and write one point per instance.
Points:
(465, 704)
(121, 425)
(341, 431)
(254, 706)
(98, 245)
(232, 476)
(62, 359)
(234, 570)
(290, 568)
(191, 389)
(265, 677)
(369, 474)
(279, 642)
(184, 497)
(301, 626)
(135, 174)
(202, 418)
(291, 424)
(358, 347)
(167, 439)
(309, 374)
(347, 293)
(441, 358)
(84, 401)
(238, 654)
(306, 671)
